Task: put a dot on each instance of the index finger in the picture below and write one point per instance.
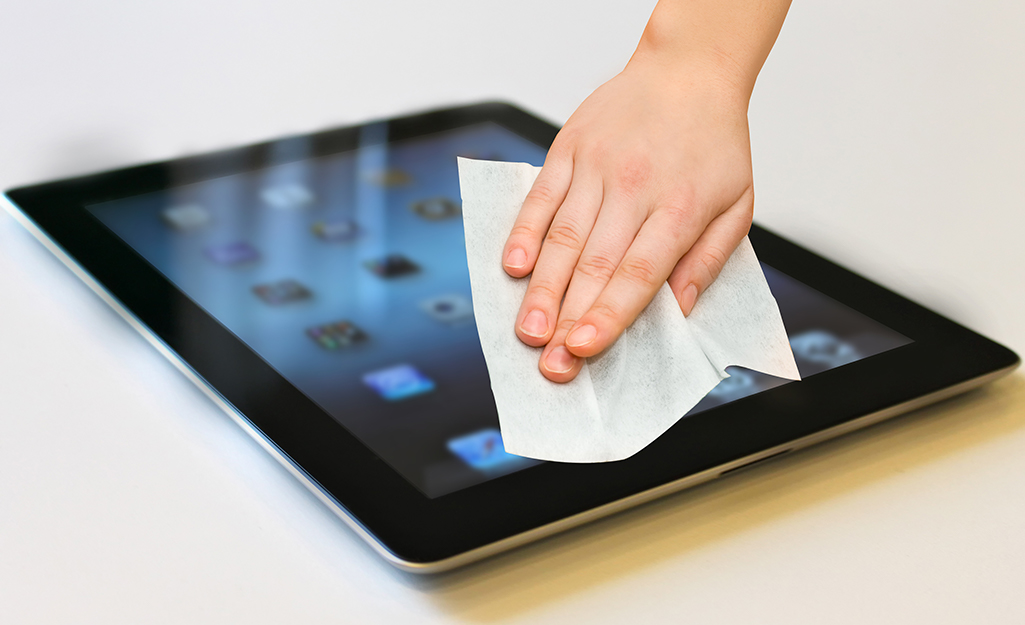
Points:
(535, 217)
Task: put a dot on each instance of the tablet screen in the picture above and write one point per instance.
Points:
(347, 274)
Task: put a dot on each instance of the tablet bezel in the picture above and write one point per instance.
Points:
(418, 530)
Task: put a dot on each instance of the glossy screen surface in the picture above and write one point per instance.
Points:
(347, 274)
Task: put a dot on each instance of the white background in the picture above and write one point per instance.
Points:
(886, 136)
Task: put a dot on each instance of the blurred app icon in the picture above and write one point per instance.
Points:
(450, 309)
(398, 382)
(185, 217)
(391, 266)
(823, 348)
(288, 196)
(282, 292)
(337, 230)
(483, 450)
(393, 177)
(740, 384)
(337, 335)
(236, 253)
(436, 208)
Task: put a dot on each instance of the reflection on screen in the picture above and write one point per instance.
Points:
(347, 274)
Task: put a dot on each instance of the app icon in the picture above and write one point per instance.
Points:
(435, 209)
(483, 450)
(185, 217)
(393, 177)
(337, 335)
(282, 292)
(290, 196)
(336, 231)
(740, 384)
(824, 348)
(391, 266)
(236, 253)
(398, 382)
(451, 309)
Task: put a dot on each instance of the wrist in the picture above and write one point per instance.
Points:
(703, 67)
(717, 43)
(691, 76)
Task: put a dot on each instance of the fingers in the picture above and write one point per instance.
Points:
(535, 217)
(562, 246)
(701, 265)
(646, 265)
(613, 232)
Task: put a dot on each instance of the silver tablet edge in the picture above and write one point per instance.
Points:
(196, 379)
(511, 542)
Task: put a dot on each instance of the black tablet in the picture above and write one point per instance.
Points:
(316, 288)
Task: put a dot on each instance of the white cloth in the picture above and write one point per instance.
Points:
(627, 396)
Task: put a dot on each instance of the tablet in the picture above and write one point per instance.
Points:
(315, 287)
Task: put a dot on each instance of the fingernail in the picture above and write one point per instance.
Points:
(687, 298)
(535, 324)
(582, 336)
(559, 360)
(516, 258)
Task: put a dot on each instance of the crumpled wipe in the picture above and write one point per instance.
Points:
(626, 397)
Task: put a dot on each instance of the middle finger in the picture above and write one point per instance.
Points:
(562, 246)
(613, 232)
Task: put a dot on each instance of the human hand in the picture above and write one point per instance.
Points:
(649, 180)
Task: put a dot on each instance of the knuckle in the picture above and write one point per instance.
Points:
(679, 211)
(639, 270)
(567, 137)
(560, 153)
(682, 199)
(565, 234)
(542, 193)
(524, 232)
(634, 175)
(595, 150)
(711, 261)
(597, 267)
(608, 311)
(543, 291)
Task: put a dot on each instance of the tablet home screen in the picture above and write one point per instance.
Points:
(347, 274)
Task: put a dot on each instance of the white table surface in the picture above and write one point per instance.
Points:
(886, 135)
